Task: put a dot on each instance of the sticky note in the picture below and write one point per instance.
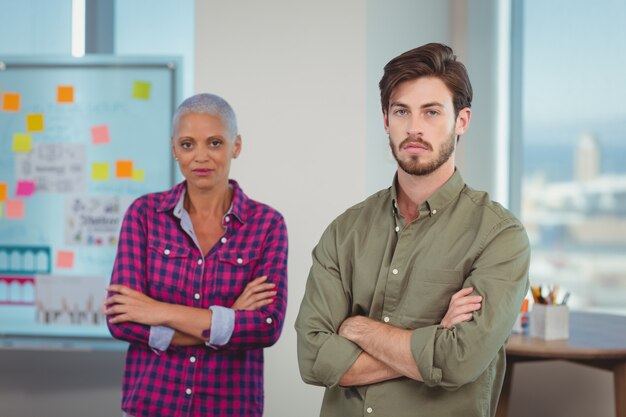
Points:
(10, 102)
(100, 171)
(65, 259)
(1, 210)
(34, 122)
(100, 134)
(65, 94)
(141, 90)
(14, 209)
(138, 175)
(3, 191)
(124, 169)
(22, 142)
(25, 188)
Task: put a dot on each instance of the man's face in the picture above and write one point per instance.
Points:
(422, 126)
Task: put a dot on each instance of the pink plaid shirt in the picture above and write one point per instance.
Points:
(157, 257)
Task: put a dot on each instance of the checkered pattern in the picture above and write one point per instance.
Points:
(157, 257)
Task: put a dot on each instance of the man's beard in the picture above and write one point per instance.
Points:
(413, 166)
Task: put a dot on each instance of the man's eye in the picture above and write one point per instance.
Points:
(216, 143)
(401, 112)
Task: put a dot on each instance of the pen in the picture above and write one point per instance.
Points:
(565, 298)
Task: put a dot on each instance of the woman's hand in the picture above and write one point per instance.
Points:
(257, 294)
(128, 305)
(461, 307)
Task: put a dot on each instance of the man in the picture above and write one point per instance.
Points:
(414, 291)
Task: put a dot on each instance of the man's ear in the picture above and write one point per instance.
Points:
(386, 121)
(462, 121)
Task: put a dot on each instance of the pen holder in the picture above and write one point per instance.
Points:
(549, 322)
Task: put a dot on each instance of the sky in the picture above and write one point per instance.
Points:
(574, 58)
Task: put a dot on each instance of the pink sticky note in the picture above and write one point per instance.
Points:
(65, 259)
(100, 134)
(14, 209)
(25, 188)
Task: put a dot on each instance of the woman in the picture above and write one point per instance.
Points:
(199, 285)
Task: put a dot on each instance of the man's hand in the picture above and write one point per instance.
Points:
(128, 305)
(354, 327)
(257, 294)
(461, 307)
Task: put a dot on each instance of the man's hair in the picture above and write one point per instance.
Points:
(210, 104)
(430, 60)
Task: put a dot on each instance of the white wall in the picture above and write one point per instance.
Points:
(295, 74)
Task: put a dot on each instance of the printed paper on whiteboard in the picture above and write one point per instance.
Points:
(94, 221)
(53, 167)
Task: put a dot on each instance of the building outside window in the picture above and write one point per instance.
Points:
(573, 133)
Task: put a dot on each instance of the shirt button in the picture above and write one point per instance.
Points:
(395, 272)
(386, 319)
(268, 320)
(196, 296)
(188, 391)
(369, 410)
(166, 251)
(192, 360)
(397, 228)
(200, 261)
(434, 211)
(239, 261)
(223, 240)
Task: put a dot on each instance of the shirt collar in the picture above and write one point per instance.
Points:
(174, 200)
(440, 198)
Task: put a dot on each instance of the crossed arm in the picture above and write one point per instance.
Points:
(128, 305)
(387, 349)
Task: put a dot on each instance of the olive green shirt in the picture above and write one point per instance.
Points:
(369, 262)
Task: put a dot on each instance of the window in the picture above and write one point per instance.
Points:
(573, 136)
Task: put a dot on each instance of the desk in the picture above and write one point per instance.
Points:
(597, 340)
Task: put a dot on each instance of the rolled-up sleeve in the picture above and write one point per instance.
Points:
(324, 356)
(452, 358)
(129, 269)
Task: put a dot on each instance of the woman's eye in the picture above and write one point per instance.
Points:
(216, 143)
(185, 145)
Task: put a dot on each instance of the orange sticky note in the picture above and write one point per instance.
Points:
(22, 142)
(65, 94)
(141, 90)
(138, 175)
(65, 259)
(34, 122)
(100, 134)
(10, 102)
(3, 191)
(124, 169)
(100, 171)
(14, 209)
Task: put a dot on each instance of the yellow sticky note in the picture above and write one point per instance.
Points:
(100, 171)
(10, 102)
(15, 209)
(124, 169)
(34, 122)
(138, 175)
(3, 191)
(22, 142)
(141, 90)
(65, 259)
(65, 94)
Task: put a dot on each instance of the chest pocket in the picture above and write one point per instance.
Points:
(428, 295)
(169, 268)
(234, 269)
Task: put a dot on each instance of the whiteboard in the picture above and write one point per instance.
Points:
(79, 141)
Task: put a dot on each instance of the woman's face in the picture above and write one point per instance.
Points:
(203, 149)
